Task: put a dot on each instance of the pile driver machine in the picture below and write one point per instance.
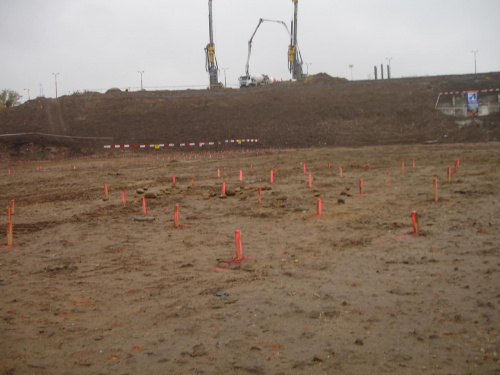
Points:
(211, 61)
(294, 56)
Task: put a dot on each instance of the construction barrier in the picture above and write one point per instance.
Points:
(197, 144)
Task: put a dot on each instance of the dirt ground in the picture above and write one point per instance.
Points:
(92, 288)
(318, 111)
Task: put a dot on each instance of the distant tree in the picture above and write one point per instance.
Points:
(9, 98)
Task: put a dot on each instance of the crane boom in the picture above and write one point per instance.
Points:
(251, 39)
(211, 61)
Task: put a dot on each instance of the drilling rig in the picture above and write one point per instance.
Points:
(211, 61)
(294, 56)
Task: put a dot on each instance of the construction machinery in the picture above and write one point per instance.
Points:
(295, 61)
(211, 61)
(294, 57)
(259, 79)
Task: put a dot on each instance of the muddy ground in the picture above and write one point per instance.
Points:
(91, 288)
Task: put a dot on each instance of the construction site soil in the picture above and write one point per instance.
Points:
(368, 224)
(318, 111)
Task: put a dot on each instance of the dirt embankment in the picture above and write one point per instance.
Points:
(319, 111)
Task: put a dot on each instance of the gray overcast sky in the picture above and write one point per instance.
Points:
(100, 44)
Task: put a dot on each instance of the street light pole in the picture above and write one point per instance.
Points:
(55, 77)
(475, 65)
(28, 93)
(350, 67)
(225, 82)
(141, 72)
(307, 65)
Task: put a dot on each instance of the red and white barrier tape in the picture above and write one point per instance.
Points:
(140, 146)
(198, 144)
(465, 92)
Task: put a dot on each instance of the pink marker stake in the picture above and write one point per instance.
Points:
(259, 190)
(9, 171)
(304, 167)
(449, 174)
(241, 175)
(272, 176)
(10, 236)
(403, 167)
(457, 164)
(341, 172)
(106, 190)
(361, 186)
(329, 165)
(123, 197)
(176, 216)
(218, 173)
(223, 188)
(12, 206)
(310, 180)
(319, 206)
(237, 242)
(414, 219)
(435, 183)
(173, 178)
(144, 210)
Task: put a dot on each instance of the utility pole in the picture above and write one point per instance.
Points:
(28, 93)
(350, 67)
(475, 65)
(55, 77)
(225, 82)
(141, 72)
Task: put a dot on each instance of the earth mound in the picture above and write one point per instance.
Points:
(324, 79)
(317, 111)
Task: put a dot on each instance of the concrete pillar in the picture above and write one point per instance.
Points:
(375, 70)
(382, 72)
